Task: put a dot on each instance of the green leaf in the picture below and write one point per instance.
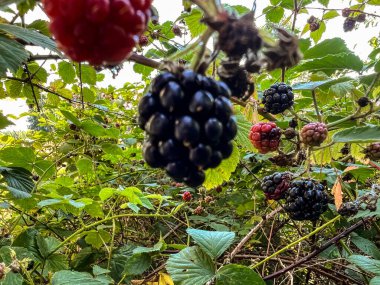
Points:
(216, 176)
(71, 117)
(30, 36)
(66, 71)
(244, 126)
(274, 14)
(213, 243)
(40, 25)
(329, 46)
(66, 277)
(142, 69)
(330, 15)
(46, 245)
(97, 238)
(12, 279)
(191, 266)
(137, 264)
(375, 281)
(366, 246)
(97, 270)
(319, 84)
(324, 2)
(88, 74)
(56, 262)
(84, 166)
(234, 274)
(19, 181)
(317, 35)
(18, 156)
(358, 134)
(155, 249)
(4, 122)
(365, 263)
(193, 21)
(331, 63)
(12, 55)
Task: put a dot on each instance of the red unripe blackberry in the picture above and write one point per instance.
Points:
(265, 137)
(276, 185)
(306, 199)
(314, 134)
(349, 24)
(360, 18)
(143, 41)
(102, 32)
(198, 211)
(314, 26)
(373, 151)
(186, 196)
(177, 30)
(346, 12)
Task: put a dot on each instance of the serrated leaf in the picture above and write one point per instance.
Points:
(193, 22)
(329, 46)
(137, 264)
(46, 245)
(30, 36)
(216, 176)
(19, 181)
(66, 71)
(365, 263)
(319, 84)
(190, 266)
(88, 74)
(66, 277)
(330, 15)
(274, 14)
(234, 274)
(244, 126)
(213, 243)
(12, 279)
(366, 246)
(358, 135)
(12, 55)
(331, 63)
(97, 238)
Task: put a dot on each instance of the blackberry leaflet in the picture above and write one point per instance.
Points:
(190, 125)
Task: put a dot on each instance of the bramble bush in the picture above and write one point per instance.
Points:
(246, 154)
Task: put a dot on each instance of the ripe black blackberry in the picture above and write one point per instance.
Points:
(349, 209)
(276, 185)
(278, 98)
(306, 200)
(349, 24)
(363, 101)
(293, 123)
(190, 125)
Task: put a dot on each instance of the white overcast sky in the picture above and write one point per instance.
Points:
(171, 9)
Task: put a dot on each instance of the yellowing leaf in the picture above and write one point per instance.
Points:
(165, 279)
(337, 192)
(216, 176)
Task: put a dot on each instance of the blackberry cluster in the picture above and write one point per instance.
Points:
(306, 200)
(97, 31)
(190, 125)
(278, 98)
(265, 137)
(314, 134)
(276, 185)
(373, 151)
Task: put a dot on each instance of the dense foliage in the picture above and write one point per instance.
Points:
(159, 182)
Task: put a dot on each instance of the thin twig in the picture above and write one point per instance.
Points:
(316, 106)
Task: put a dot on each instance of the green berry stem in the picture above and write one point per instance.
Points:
(355, 116)
(318, 113)
(317, 230)
(322, 146)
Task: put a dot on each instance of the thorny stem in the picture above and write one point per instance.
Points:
(317, 112)
(317, 230)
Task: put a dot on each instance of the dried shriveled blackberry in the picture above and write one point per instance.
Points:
(237, 79)
(285, 54)
(306, 200)
(236, 35)
(373, 151)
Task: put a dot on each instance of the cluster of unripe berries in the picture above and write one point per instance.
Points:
(305, 199)
(97, 31)
(190, 125)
